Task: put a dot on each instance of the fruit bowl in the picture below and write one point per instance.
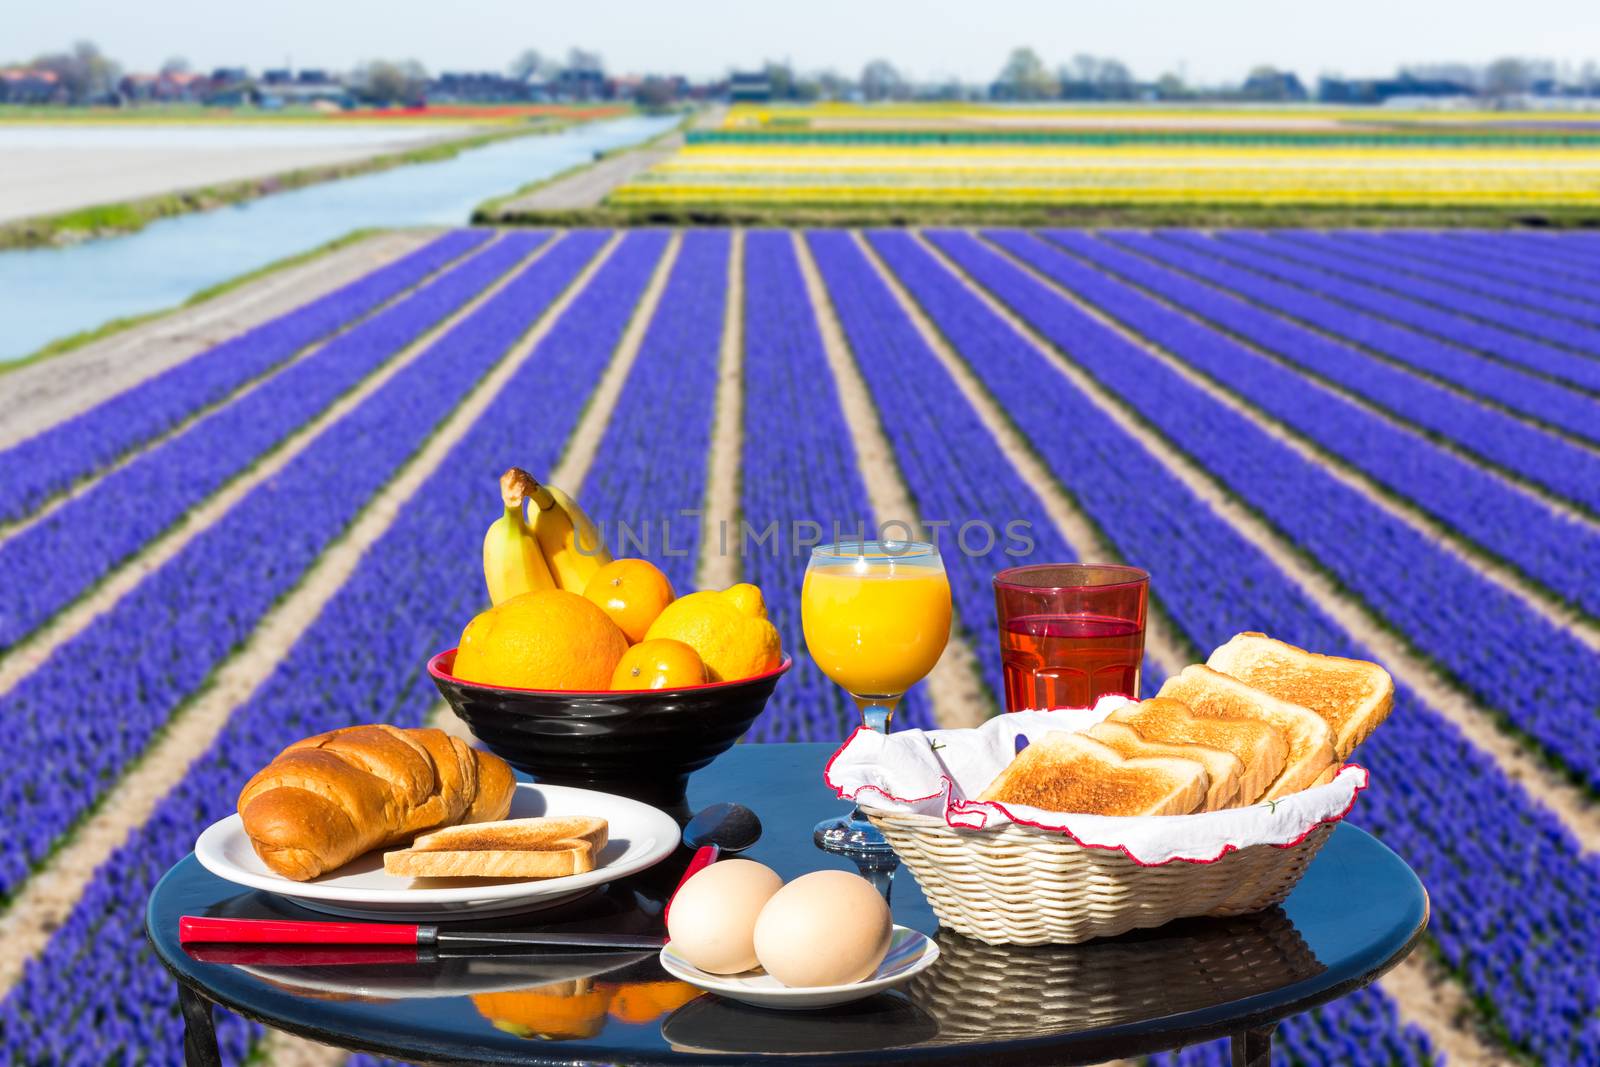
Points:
(639, 743)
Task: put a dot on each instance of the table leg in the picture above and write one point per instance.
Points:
(1253, 1048)
(199, 1030)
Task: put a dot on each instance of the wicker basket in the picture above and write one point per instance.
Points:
(1017, 885)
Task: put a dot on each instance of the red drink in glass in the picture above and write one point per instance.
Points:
(1070, 633)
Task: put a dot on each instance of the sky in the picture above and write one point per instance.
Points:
(1207, 40)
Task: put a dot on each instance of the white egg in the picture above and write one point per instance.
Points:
(825, 928)
(712, 920)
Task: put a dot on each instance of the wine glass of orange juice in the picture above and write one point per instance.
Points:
(876, 616)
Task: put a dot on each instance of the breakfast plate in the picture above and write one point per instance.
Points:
(640, 837)
(910, 952)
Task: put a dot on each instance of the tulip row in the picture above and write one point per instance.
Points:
(798, 466)
(1527, 452)
(1540, 675)
(1462, 341)
(649, 473)
(57, 559)
(1523, 394)
(49, 463)
(1506, 284)
(1516, 900)
(1570, 260)
(1213, 584)
(1503, 520)
(1544, 343)
(410, 593)
(94, 704)
(953, 466)
(1361, 1030)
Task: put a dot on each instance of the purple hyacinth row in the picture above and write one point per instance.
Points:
(1538, 338)
(1526, 394)
(1526, 451)
(1513, 893)
(1570, 265)
(1510, 657)
(952, 464)
(1563, 555)
(42, 466)
(92, 707)
(56, 560)
(1417, 320)
(651, 466)
(1360, 1030)
(798, 465)
(359, 661)
(1507, 284)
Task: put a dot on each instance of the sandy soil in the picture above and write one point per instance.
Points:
(42, 394)
(101, 166)
(588, 187)
(719, 569)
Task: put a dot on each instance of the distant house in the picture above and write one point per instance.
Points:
(1382, 90)
(477, 87)
(1282, 85)
(580, 83)
(750, 87)
(168, 87)
(30, 85)
(277, 76)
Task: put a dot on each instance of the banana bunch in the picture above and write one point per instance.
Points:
(553, 545)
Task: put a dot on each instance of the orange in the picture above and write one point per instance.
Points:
(729, 629)
(659, 664)
(560, 1011)
(632, 592)
(643, 1002)
(548, 639)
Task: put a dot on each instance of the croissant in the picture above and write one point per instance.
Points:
(327, 799)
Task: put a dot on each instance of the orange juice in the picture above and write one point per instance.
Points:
(874, 626)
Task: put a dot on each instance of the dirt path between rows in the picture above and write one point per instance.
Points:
(41, 394)
(719, 569)
(47, 897)
(1163, 642)
(30, 653)
(588, 188)
(954, 686)
(1538, 599)
(1432, 1009)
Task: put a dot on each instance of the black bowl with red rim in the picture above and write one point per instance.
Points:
(640, 743)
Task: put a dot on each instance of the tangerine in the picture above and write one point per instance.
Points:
(632, 592)
(659, 664)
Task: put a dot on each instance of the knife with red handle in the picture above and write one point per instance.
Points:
(197, 929)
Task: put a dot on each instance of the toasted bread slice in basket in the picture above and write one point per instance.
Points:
(1224, 769)
(1261, 747)
(546, 847)
(1353, 695)
(1213, 695)
(1072, 772)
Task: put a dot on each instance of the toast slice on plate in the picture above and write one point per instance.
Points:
(545, 847)
(1224, 769)
(1260, 746)
(1352, 695)
(1213, 695)
(1072, 772)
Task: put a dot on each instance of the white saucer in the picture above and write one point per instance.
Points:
(910, 952)
(640, 836)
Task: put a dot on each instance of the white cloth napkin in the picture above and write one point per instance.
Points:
(937, 772)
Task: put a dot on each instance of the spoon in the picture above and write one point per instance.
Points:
(725, 827)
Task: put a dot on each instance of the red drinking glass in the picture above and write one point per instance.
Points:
(1070, 633)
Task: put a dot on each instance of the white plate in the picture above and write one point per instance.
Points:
(640, 836)
(910, 952)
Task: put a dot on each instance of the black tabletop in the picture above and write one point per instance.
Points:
(1356, 913)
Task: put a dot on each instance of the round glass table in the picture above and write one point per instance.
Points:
(1358, 911)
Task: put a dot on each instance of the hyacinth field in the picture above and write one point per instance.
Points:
(1415, 417)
